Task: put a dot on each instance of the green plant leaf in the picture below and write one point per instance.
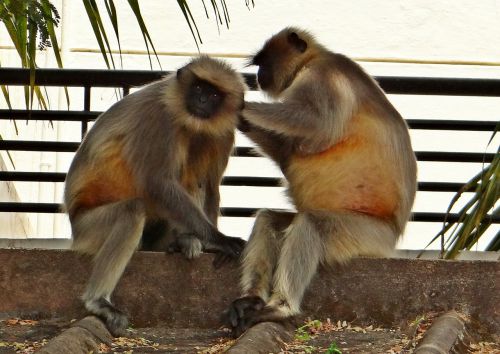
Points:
(9, 155)
(189, 17)
(134, 5)
(113, 16)
(96, 23)
(333, 349)
(47, 12)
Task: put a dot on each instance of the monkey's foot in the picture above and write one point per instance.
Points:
(187, 244)
(243, 313)
(115, 320)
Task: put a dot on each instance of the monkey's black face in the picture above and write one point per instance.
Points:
(278, 61)
(265, 72)
(203, 99)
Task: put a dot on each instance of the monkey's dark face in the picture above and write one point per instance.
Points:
(265, 71)
(277, 61)
(203, 99)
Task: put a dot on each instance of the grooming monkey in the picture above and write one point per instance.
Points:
(156, 156)
(346, 154)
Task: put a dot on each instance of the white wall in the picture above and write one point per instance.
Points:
(414, 38)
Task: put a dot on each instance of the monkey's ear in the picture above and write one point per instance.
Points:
(179, 73)
(297, 42)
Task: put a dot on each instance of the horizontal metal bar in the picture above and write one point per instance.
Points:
(78, 116)
(443, 156)
(440, 86)
(226, 181)
(454, 156)
(124, 78)
(463, 125)
(90, 77)
(52, 115)
(14, 207)
(32, 176)
(227, 212)
(24, 145)
(242, 151)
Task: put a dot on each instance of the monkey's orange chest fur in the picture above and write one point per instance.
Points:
(353, 175)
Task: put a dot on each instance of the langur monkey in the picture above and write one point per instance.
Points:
(346, 154)
(155, 156)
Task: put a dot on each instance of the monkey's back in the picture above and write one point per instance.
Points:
(101, 171)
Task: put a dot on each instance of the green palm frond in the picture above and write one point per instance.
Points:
(188, 16)
(134, 5)
(95, 20)
(113, 16)
(474, 217)
(27, 22)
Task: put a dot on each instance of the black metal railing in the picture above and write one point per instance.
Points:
(127, 79)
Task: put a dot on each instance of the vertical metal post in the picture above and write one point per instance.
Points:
(86, 108)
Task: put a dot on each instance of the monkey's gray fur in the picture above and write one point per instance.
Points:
(351, 171)
(148, 159)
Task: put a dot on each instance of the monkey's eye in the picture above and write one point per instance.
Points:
(197, 88)
(215, 95)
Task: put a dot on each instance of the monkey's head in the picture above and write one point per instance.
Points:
(209, 94)
(282, 57)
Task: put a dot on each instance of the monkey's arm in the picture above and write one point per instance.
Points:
(280, 128)
(277, 147)
(212, 200)
(172, 202)
(290, 119)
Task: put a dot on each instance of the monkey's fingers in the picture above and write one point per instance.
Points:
(241, 311)
(222, 259)
(173, 247)
(243, 124)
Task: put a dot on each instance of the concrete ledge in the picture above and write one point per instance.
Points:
(172, 291)
(65, 243)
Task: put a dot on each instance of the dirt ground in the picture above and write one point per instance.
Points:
(313, 336)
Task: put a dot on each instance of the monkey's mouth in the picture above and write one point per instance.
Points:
(198, 113)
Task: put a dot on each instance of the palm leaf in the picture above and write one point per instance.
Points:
(47, 13)
(473, 220)
(113, 16)
(134, 5)
(190, 21)
(99, 32)
(9, 155)
(226, 13)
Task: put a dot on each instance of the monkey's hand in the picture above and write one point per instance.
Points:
(244, 125)
(241, 313)
(187, 244)
(226, 250)
(305, 147)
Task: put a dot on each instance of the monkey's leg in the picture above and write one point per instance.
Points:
(301, 252)
(120, 225)
(261, 253)
(259, 262)
(313, 239)
(354, 234)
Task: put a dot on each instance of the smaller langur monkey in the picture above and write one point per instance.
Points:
(346, 154)
(154, 158)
